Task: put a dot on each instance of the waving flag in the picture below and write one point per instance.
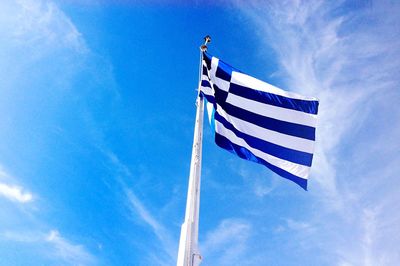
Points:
(260, 122)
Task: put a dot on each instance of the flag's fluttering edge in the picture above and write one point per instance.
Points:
(260, 122)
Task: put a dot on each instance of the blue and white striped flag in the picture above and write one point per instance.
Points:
(260, 122)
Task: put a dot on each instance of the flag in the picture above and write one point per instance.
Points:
(258, 121)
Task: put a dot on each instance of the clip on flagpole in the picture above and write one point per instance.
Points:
(189, 254)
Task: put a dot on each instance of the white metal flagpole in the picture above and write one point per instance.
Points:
(188, 254)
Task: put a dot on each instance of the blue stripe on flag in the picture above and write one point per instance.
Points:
(205, 83)
(205, 71)
(244, 153)
(297, 130)
(305, 106)
(224, 71)
(209, 98)
(220, 95)
(207, 59)
(284, 153)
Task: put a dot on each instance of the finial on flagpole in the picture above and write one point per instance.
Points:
(207, 39)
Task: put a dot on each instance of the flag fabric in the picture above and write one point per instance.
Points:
(258, 121)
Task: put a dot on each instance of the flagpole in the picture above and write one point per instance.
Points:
(189, 254)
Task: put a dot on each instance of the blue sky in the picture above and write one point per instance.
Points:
(97, 108)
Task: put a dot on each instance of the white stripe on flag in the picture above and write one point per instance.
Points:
(207, 90)
(293, 168)
(204, 77)
(214, 67)
(255, 84)
(271, 136)
(268, 110)
(221, 84)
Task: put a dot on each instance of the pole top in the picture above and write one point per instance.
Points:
(207, 39)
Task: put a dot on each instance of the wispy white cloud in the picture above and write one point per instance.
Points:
(228, 243)
(167, 244)
(157, 228)
(42, 24)
(3, 173)
(52, 245)
(369, 222)
(260, 186)
(46, 51)
(31, 32)
(72, 253)
(11, 191)
(15, 193)
(346, 56)
(299, 226)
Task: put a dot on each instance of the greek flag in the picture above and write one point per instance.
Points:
(260, 122)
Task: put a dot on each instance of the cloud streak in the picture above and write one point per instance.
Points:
(70, 252)
(34, 35)
(60, 248)
(42, 23)
(332, 51)
(11, 191)
(15, 193)
(48, 36)
(157, 228)
(53, 245)
(138, 208)
(228, 243)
